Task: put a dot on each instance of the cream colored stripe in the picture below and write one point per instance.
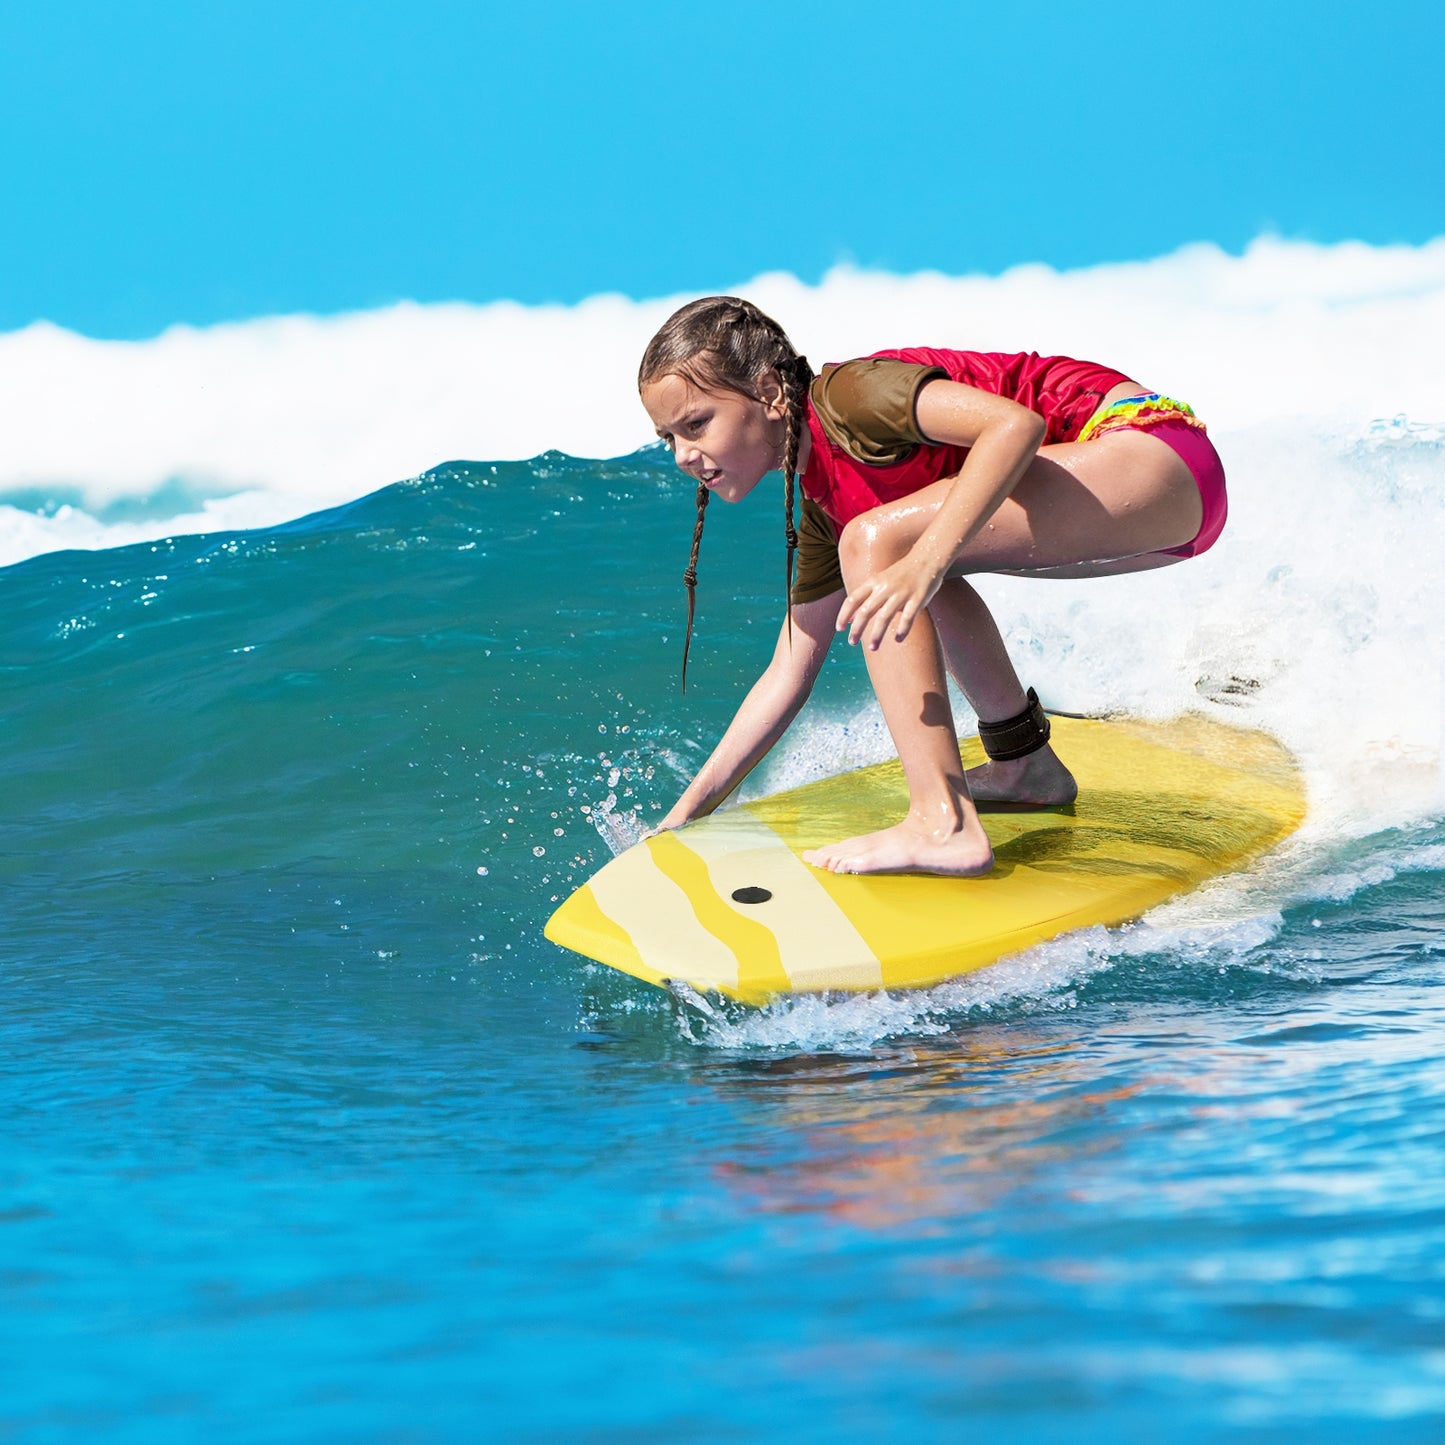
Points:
(820, 947)
(641, 899)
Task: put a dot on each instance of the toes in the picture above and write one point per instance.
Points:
(828, 860)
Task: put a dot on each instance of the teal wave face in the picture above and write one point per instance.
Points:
(438, 677)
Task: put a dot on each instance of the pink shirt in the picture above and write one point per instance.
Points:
(1065, 392)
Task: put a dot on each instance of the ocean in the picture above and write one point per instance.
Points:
(310, 1135)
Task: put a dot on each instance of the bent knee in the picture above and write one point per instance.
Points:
(863, 550)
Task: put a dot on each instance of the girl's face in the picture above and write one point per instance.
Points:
(728, 441)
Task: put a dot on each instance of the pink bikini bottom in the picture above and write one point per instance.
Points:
(1197, 453)
(1175, 424)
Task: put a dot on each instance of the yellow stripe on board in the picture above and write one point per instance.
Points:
(819, 947)
(580, 923)
(659, 918)
(758, 961)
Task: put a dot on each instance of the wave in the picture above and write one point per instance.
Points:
(255, 423)
(431, 689)
(534, 608)
(396, 721)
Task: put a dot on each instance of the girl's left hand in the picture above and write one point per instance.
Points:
(889, 602)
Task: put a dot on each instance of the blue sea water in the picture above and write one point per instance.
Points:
(309, 1134)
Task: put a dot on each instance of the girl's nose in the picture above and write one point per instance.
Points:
(686, 453)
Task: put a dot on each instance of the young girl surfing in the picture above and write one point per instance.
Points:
(919, 468)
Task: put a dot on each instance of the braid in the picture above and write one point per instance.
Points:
(797, 375)
(690, 576)
(723, 343)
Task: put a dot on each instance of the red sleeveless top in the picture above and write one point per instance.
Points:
(1065, 392)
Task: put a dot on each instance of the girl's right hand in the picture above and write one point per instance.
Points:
(891, 601)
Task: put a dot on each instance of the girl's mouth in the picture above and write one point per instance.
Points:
(708, 477)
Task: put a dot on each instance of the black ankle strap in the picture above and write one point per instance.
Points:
(1016, 737)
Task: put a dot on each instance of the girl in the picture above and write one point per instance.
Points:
(919, 468)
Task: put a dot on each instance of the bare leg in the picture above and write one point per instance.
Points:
(941, 833)
(979, 663)
(1081, 509)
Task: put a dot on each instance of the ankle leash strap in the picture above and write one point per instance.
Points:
(1016, 737)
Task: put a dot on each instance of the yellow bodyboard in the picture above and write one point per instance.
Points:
(727, 903)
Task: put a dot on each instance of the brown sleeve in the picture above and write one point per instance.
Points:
(866, 407)
(818, 571)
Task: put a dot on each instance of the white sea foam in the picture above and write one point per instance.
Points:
(1043, 978)
(258, 421)
(1316, 619)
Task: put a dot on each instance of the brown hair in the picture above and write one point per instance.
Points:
(723, 343)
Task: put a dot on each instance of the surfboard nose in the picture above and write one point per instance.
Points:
(691, 904)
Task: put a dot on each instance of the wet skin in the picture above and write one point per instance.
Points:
(1096, 508)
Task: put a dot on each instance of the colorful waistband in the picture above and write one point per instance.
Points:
(1140, 412)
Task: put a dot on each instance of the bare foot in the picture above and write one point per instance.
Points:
(910, 847)
(1039, 780)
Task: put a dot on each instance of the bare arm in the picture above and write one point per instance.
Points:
(774, 701)
(1003, 438)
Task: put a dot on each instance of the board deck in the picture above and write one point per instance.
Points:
(727, 904)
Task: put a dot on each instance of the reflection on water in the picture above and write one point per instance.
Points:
(924, 1135)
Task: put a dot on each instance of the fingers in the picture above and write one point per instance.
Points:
(890, 616)
(879, 624)
(868, 620)
(906, 618)
(878, 611)
(857, 608)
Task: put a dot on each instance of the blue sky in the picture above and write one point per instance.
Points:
(178, 160)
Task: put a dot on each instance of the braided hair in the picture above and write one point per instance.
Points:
(723, 343)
